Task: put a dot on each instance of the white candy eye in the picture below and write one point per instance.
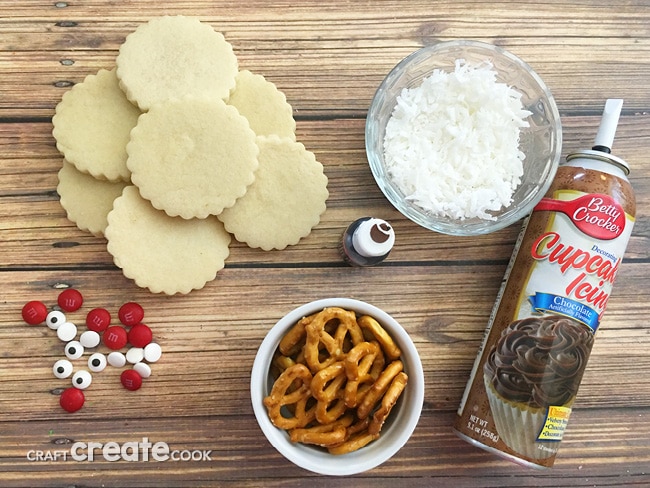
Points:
(66, 331)
(74, 350)
(97, 362)
(62, 368)
(82, 379)
(54, 319)
(90, 339)
(143, 369)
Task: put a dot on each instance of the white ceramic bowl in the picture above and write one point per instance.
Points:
(541, 142)
(398, 427)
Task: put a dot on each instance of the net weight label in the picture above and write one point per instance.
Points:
(478, 426)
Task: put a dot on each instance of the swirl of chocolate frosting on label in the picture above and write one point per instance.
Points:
(539, 361)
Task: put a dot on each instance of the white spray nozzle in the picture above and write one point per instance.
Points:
(608, 124)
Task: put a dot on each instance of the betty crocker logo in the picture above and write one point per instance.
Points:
(599, 216)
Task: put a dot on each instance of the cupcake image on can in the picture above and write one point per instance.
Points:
(531, 378)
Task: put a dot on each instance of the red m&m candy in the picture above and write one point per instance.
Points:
(130, 314)
(98, 319)
(34, 312)
(70, 300)
(115, 337)
(72, 399)
(131, 379)
(140, 335)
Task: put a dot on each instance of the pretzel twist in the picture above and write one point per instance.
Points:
(318, 335)
(388, 402)
(370, 325)
(378, 388)
(286, 393)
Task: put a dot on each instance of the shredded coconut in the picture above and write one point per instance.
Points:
(452, 143)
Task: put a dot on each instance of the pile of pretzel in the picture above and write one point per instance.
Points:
(337, 379)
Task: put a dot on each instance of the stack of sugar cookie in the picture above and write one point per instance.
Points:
(176, 149)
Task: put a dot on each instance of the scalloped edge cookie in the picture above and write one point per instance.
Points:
(192, 157)
(92, 124)
(87, 200)
(265, 107)
(286, 200)
(174, 56)
(164, 254)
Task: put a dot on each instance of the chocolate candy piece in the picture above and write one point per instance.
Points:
(70, 300)
(131, 314)
(66, 331)
(90, 339)
(140, 335)
(72, 399)
(143, 369)
(115, 337)
(131, 379)
(34, 312)
(152, 352)
(98, 319)
(116, 359)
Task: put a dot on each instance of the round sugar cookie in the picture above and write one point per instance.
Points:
(92, 124)
(175, 56)
(87, 200)
(164, 254)
(264, 106)
(192, 157)
(286, 200)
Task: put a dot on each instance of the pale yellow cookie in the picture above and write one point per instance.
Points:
(171, 57)
(162, 253)
(92, 125)
(264, 106)
(286, 200)
(87, 200)
(192, 157)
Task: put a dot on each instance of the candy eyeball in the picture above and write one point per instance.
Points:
(97, 362)
(82, 380)
(54, 319)
(62, 368)
(74, 350)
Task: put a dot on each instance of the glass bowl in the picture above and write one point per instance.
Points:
(399, 425)
(541, 142)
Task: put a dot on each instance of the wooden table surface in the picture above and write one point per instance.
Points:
(328, 57)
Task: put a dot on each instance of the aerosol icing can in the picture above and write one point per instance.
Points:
(525, 378)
